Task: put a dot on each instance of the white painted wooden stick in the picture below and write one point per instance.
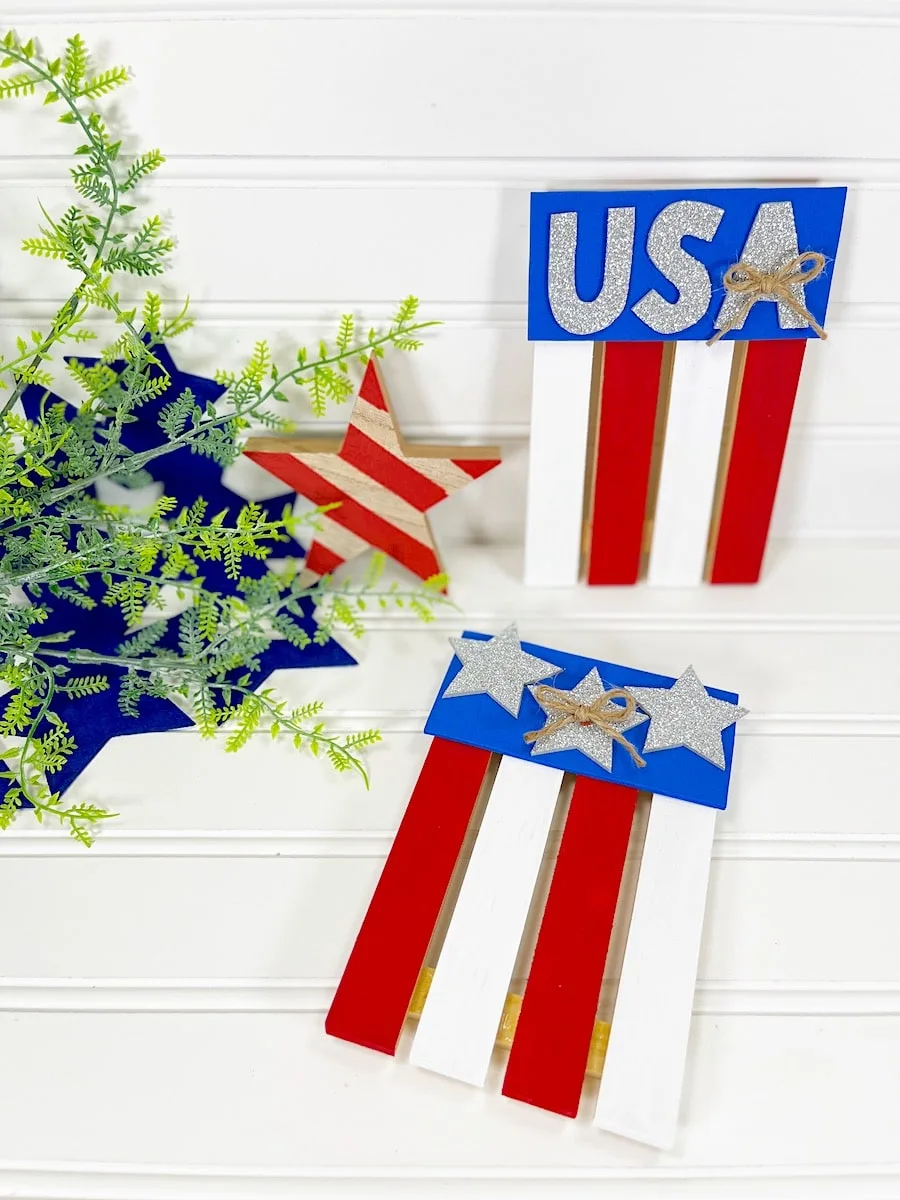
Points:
(687, 482)
(640, 1089)
(465, 1002)
(560, 412)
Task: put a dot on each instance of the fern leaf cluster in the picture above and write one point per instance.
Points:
(60, 545)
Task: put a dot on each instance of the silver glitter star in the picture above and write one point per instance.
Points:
(686, 715)
(499, 668)
(589, 739)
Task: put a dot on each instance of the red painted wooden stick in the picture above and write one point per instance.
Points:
(373, 996)
(628, 403)
(768, 388)
(550, 1048)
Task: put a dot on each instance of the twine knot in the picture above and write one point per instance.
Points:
(600, 712)
(743, 279)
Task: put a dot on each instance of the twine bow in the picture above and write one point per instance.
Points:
(601, 712)
(743, 279)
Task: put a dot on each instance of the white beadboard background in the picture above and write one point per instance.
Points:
(162, 996)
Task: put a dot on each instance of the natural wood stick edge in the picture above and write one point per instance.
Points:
(509, 1020)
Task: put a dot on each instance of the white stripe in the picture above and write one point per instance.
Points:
(560, 412)
(462, 1013)
(640, 1090)
(687, 482)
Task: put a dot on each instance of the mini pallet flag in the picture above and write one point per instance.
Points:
(651, 460)
(382, 486)
(618, 731)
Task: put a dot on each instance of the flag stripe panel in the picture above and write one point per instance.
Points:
(465, 1002)
(771, 376)
(370, 389)
(374, 992)
(474, 468)
(628, 402)
(321, 561)
(696, 416)
(340, 541)
(352, 515)
(368, 493)
(640, 1090)
(449, 474)
(394, 473)
(550, 1050)
(332, 476)
(560, 415)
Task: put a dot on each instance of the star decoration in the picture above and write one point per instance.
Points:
(499, 668)
(187, 477)
(384, 487)
(95, 720)
(589, 739)
(686, 715)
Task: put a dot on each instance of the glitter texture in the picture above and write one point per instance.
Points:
(571, 312)
(499, 668)
(684, 218)
(771, 242)
(589, 739)
(686, 715)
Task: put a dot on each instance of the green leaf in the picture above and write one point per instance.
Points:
(75, 63)
(18, 85)
(102, 85)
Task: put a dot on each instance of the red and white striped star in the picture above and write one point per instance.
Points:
(384, 488)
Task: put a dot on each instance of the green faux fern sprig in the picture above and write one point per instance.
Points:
(59, 543)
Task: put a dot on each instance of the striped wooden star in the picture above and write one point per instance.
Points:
(383, 486)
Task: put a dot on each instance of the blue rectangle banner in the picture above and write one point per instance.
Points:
(631, 266)
(675, 770)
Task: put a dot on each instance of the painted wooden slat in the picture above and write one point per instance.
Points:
(687, 484)
(629, 395)
(560, 414)
(640, 1091)
(550, 1051)
(769, 386)
(374, 992)
(465, 1002)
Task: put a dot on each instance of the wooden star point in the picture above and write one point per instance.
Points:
(383, 485)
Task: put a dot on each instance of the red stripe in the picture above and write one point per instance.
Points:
(418, 558)
(370, 388)
(373, 996)
(768, 388)
(322, 561)
(476, 467)
(628, 403)
(553, 1036)
(391, 472)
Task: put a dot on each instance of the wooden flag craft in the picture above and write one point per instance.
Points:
(382, 486)
(513, 724)
(651, 459)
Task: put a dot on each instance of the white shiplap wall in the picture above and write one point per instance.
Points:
(161, 997)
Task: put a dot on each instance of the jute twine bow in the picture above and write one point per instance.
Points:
(745, 280)
(600, 712)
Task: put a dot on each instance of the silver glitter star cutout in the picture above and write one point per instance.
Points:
(686, 715)
(499, 668)
(589, 739)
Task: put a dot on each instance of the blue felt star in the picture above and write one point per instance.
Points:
(94, 720)
(186, 477)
